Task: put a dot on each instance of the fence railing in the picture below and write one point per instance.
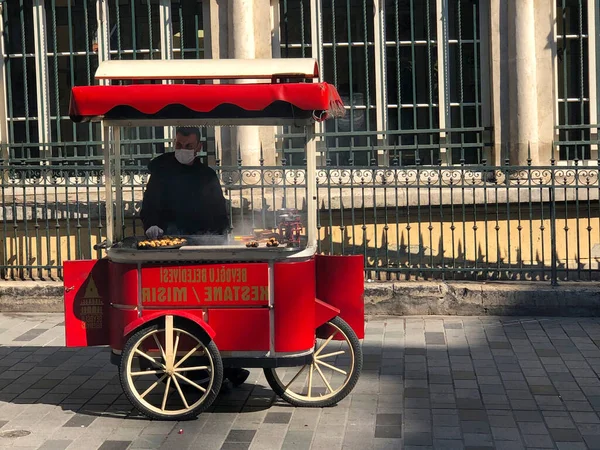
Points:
(576, 144)
(410, 222)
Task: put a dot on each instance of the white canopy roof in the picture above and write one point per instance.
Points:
(213, 69)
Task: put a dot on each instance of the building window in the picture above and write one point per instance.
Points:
(464, 81)
(72, 61)
(407, 88)
(135, 34)
(349, 63)
(295, 30)
(412, 81)
(21, 79)
(188, 32)
(572, 79)
(134, 29)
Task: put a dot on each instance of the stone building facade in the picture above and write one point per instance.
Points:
(426, 82)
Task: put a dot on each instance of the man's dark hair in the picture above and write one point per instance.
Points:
(187, 131)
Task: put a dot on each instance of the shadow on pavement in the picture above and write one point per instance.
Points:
(83, 380)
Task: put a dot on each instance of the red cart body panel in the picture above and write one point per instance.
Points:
(148, 316)
(87, 305)
(105, 301)
(294, 289)
(124, 284)
(119, 319)
(124, 293)
(340, 283)
(324, 313)
(241, 329)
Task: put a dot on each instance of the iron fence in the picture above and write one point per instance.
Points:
(470, 222)
(404, 179)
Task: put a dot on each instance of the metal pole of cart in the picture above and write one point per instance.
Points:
(311, 186)
(118, 226)
(108, 188)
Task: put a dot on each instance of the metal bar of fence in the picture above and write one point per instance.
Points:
(553, 268)
(598, 232)
(589, 234)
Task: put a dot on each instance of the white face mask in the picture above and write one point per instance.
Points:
(185, 156)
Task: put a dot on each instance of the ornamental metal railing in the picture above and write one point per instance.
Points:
(470, 222)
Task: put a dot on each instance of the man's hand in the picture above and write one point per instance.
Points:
(154, 232)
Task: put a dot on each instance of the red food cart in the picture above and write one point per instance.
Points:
(175, 317)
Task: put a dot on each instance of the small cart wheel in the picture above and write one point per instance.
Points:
(332, 374)
(163, 389)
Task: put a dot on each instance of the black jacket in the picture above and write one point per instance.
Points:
(189, 197)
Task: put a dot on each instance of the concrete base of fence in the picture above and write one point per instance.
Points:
(482, 298)
(31, 296)
(393, 298)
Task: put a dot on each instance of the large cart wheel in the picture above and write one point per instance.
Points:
(163, 389)
(332, 374)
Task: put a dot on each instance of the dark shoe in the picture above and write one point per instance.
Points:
(226, 387)
(237, 377)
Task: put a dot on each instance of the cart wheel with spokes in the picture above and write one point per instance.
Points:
(332, 374)
(160, 386)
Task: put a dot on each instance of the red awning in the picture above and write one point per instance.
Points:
(206, 101)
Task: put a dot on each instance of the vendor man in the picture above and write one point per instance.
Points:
(184, 197)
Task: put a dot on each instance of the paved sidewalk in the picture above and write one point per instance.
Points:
(435, 382)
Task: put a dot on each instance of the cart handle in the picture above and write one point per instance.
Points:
(101, 246)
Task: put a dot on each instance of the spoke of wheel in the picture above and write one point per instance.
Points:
(156, 383)
(169, 341)
(190, 353)
(189, 369)
(160, 347)
(295, 376)
(180, 392)
(331, 367)
(328, 355)
(323, 378)
(325, 344)
(190, 382)
(147, 372)
(175, 349)
(310, 375)
(164, 402)
(149, 358)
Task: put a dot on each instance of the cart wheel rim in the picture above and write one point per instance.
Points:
(172, 393)
(329, 372)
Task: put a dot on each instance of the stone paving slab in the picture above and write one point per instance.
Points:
(428, 383)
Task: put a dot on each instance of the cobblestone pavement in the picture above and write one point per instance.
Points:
(441, 383)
